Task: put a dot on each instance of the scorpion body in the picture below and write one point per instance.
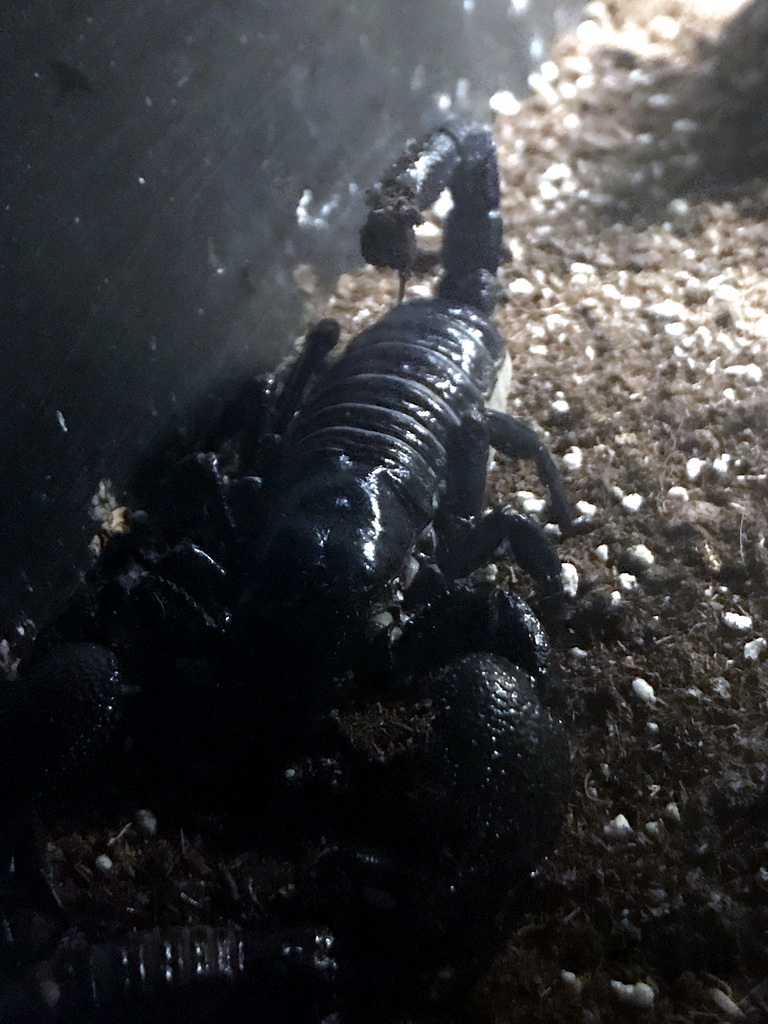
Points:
(385, 451)
(255, 580)
(365, 460)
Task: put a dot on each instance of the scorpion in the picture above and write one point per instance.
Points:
(259, 584)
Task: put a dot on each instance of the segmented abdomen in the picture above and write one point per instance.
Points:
(397, 391)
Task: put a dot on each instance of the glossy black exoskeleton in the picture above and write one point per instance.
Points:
(244, 618)
(382, 454)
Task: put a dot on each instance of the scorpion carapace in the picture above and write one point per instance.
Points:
(286, 652)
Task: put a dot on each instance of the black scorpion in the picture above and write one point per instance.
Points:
(388, 446)
(352, 486)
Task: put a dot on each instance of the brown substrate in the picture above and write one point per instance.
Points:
(636, 307)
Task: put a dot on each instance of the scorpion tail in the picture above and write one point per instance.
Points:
(473, 231)
(464, 161)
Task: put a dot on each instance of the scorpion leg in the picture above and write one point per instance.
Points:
(468, 539)
(311, 360)
(189, 502)
(466, 470)
(517, 441)
(528, 543)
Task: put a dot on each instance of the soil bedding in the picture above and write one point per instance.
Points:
(635, 302)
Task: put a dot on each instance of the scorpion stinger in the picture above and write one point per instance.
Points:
(463, 161)
(396, 204)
